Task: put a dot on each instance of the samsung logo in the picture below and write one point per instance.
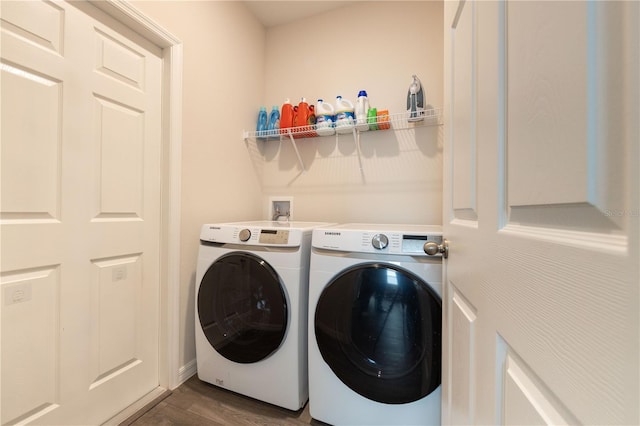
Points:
(332, 233)
(215, 227)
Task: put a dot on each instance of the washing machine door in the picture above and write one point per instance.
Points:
(378, 327)
(242, 307)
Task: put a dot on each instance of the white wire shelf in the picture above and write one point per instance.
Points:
(400, 121)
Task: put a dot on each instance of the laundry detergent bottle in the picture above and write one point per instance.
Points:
(286, 117)
(344, 115)
(261, 126)
(311, 128)
(324, 118)
(273, 124)
(301, 119)
(361, 110)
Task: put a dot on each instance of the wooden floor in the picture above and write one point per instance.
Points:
(199, 403)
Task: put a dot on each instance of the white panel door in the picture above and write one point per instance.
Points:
(80, 214)
(542, 213)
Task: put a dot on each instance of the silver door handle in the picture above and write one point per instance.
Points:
(432, 248)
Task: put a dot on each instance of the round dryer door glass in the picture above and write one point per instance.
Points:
(378, 327)
(242, 307)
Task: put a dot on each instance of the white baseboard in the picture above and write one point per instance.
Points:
(186, 371)
(157, 393)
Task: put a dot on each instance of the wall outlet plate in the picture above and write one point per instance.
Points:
(280, 208)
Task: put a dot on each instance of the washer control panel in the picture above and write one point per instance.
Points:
(249, 235)
(274, 236)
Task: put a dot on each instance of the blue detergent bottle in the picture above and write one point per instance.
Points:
(261, 127)
(273, 125)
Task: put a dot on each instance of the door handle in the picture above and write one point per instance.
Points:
(432, 248)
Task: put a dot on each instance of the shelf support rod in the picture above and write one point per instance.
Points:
(295, 148)
(356, 139)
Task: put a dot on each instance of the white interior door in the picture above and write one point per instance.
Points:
(80, 214)
(542, 213)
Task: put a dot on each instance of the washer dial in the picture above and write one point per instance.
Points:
(244, 235)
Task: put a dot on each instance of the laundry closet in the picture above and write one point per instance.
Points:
(233, 65)
(534, 104)
(531, 171)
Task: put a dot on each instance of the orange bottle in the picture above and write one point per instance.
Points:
(286, 117)
(301, 119)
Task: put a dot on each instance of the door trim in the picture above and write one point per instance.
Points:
(172, 57)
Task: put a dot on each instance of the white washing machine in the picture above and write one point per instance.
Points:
(251, 309)
(375, 324)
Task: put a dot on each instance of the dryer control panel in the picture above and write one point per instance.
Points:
(415, 243)
(401, 240)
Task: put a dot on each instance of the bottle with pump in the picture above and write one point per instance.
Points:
(273, 124)
(286, 117)
(361, 110)
(324, 118)
(261, 127)
(344, 115)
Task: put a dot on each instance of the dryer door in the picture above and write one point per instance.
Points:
(242, 307)
(379, 329)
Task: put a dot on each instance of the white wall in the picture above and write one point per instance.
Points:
(223, 81)
(375, 46)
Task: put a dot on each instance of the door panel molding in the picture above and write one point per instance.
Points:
(570, 184)
(172, 56)
(463, 113)
(523, 395)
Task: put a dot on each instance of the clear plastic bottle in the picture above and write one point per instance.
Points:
(361, 110)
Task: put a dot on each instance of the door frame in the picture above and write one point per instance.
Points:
(171, 152)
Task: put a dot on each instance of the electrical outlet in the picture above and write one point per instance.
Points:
(281, 208)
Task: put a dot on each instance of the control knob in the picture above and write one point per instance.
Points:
(379, 241)
(244, 235)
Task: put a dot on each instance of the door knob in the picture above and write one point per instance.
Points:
(432, 248)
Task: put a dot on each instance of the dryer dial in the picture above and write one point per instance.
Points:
(244, 235)
(379, 241)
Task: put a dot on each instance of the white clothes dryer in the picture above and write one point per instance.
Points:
(251, 309)
(375, 325)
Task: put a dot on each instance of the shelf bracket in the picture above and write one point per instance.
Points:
(356, 139)
(295, 148)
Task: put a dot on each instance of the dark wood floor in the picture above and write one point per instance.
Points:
(198, 403)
